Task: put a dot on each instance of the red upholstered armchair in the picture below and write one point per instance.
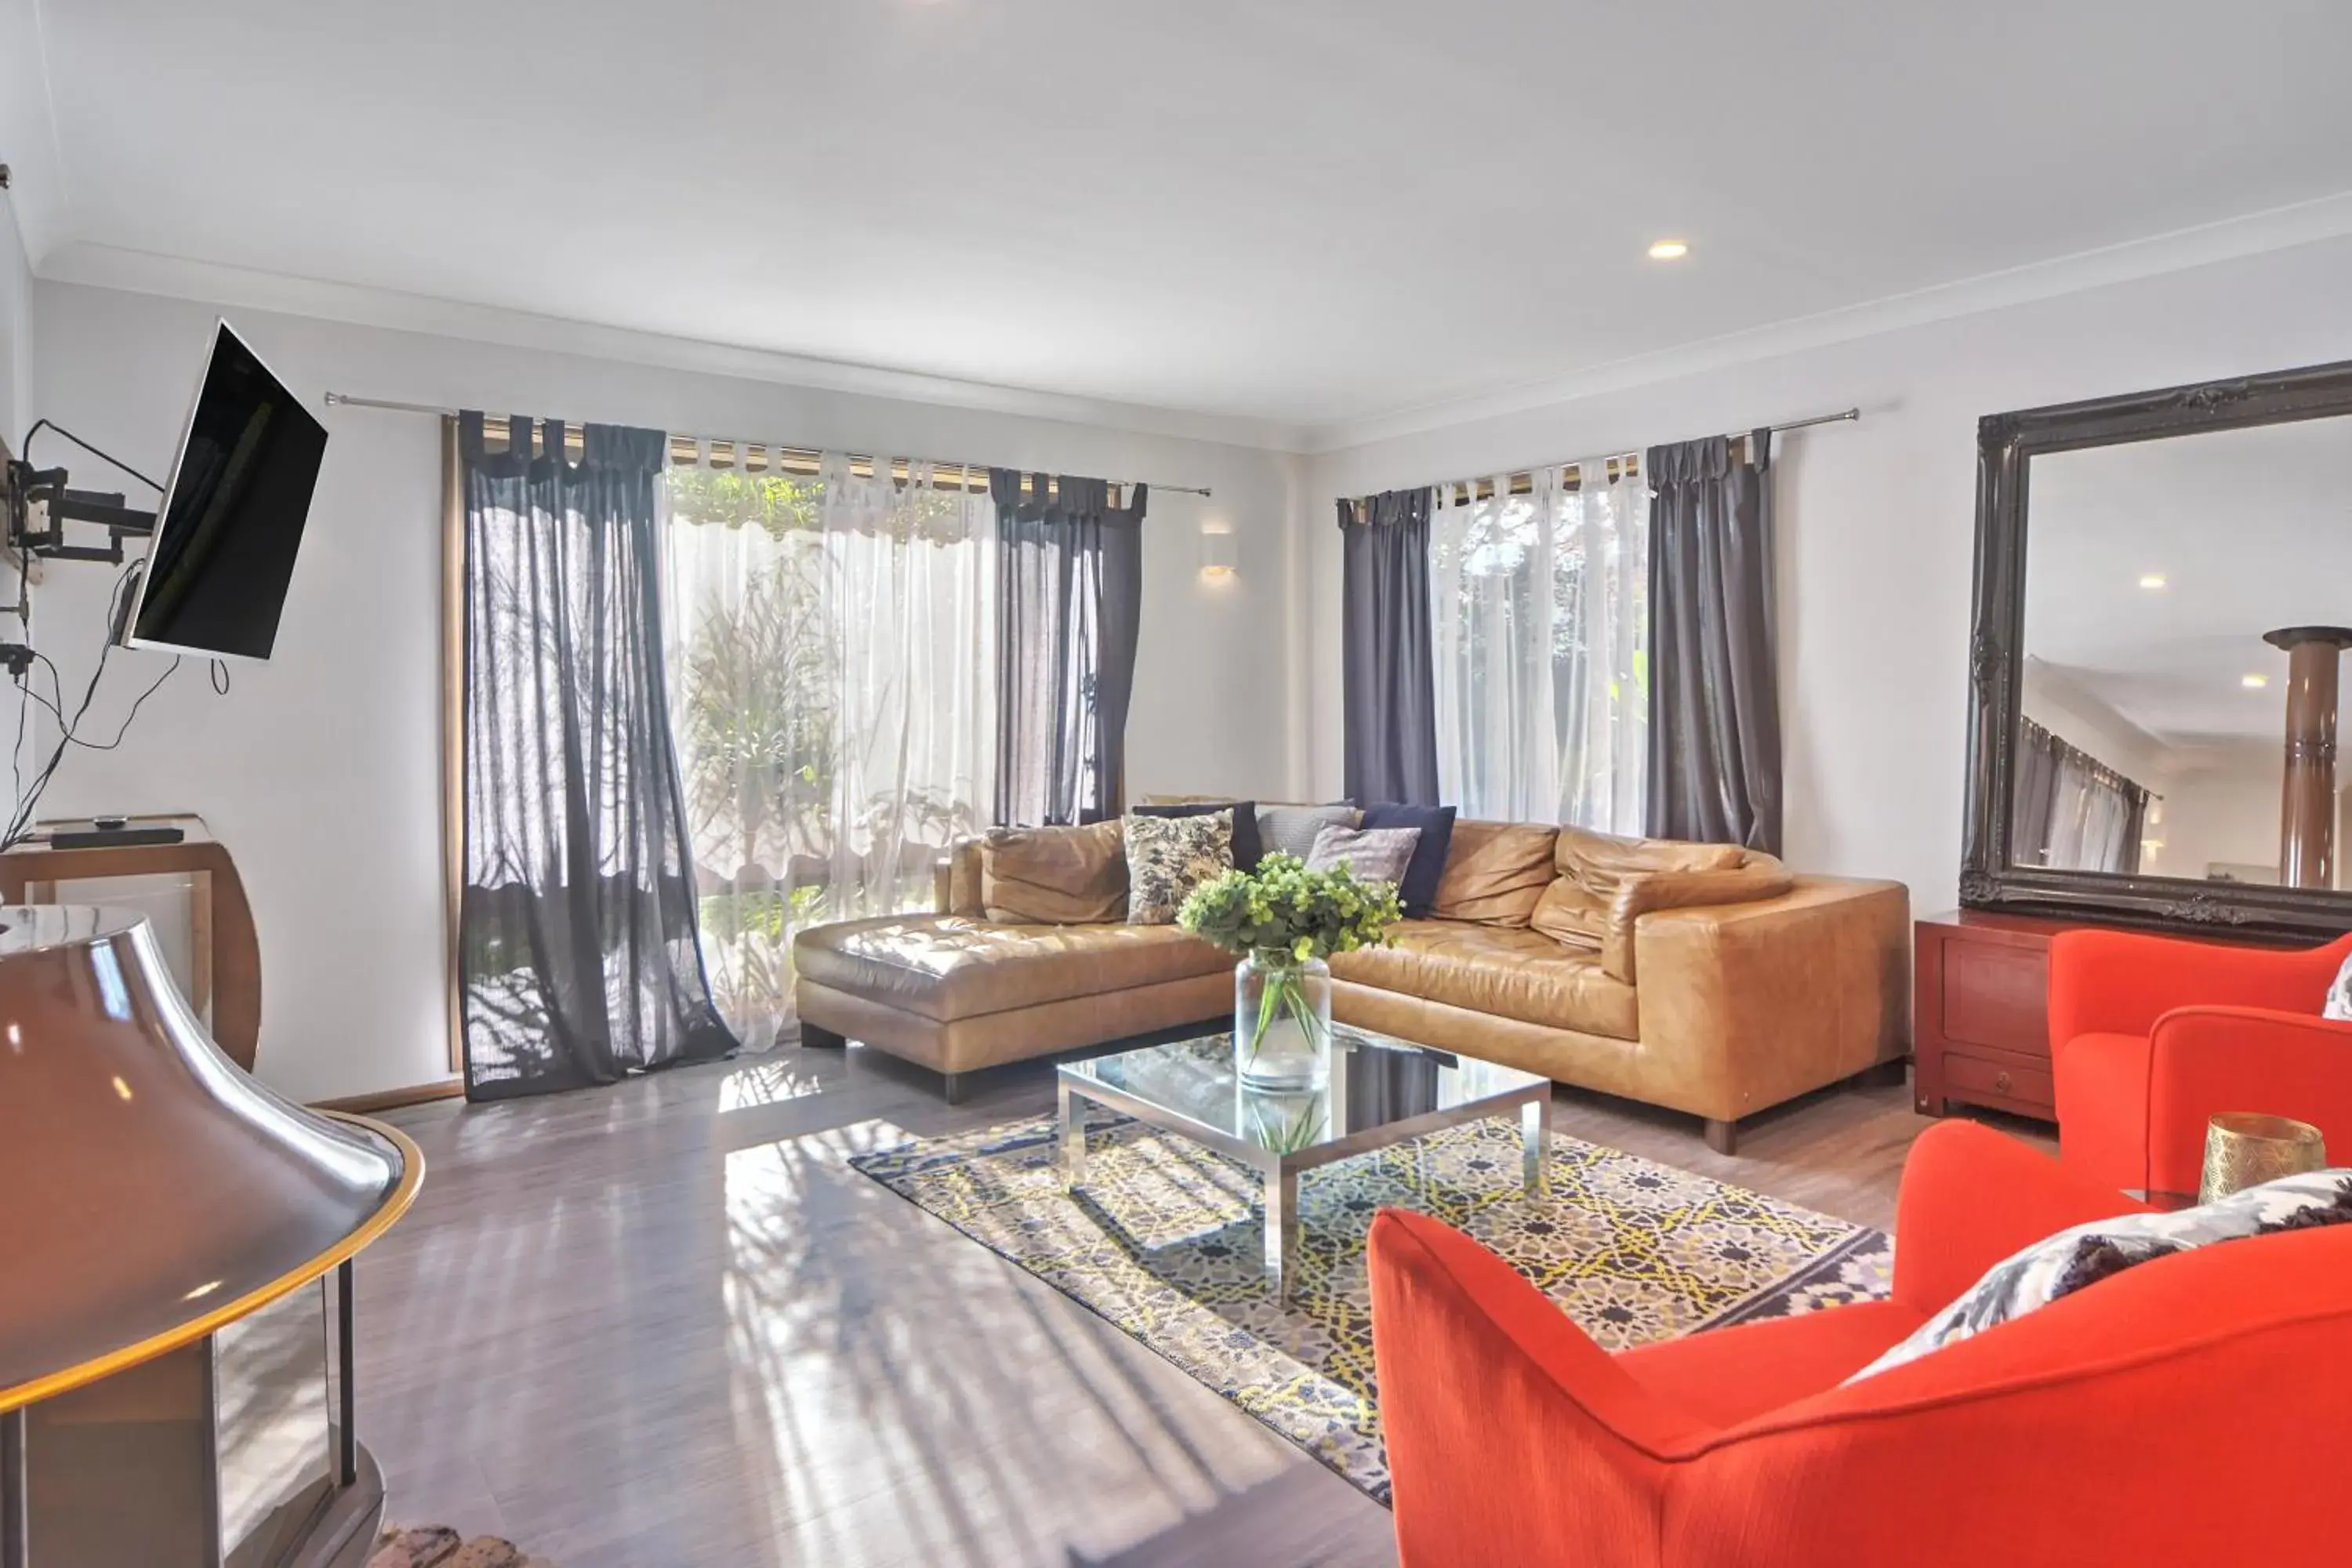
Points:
(2154, 1418)
(2151, 1035)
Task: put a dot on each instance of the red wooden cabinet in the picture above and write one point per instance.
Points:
(1980, 1012)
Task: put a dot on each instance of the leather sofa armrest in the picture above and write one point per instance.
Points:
(955, 880)
(1745, 1006)
(1646, 892)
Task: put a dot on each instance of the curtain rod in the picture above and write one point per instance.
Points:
(1623, 465)
(2096, 767)
(686, 451)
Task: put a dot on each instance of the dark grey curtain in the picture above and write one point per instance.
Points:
(1715, 699)
(1389, 685)
(2135, 826)
(2035, 795)
(1069, 607)
(578, 960)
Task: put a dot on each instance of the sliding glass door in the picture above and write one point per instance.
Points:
(832, 675)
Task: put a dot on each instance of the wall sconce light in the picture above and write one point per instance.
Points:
(1218, 556)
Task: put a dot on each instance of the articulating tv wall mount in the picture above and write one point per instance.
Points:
(36, 504)
(41, 505)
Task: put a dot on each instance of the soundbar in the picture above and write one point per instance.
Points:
(112, 837)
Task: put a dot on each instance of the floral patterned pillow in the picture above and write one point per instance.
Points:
(1167, 856)
(2340, 995)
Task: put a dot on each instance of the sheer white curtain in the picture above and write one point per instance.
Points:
(1600, 632)
(832, 673)
(1490, 583)
(1539, 642)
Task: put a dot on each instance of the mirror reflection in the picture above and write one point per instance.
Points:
(2186, 607)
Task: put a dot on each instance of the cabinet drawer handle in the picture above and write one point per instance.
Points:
(2000, 1081)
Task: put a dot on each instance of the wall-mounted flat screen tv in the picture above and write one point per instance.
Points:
(232, 517)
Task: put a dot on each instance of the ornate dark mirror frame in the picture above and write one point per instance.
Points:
(2005, 444)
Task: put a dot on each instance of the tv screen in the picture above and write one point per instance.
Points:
(232, 516)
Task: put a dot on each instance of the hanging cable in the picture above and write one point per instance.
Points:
(26, 447)
(30, 797)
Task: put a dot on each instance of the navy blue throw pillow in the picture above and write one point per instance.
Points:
(1246, 850)
(1419, 888)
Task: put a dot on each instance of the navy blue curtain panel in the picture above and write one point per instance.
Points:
(578, 958)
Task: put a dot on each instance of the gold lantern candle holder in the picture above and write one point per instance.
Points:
(2244, 1149)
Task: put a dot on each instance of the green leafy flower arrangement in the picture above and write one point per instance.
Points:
(1286, 914)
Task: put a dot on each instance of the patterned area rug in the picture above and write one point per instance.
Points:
(1163, 1240)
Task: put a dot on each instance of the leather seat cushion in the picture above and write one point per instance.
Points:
(1510, 972)
(945, 967)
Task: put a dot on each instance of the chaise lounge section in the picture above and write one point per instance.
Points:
(956, 992)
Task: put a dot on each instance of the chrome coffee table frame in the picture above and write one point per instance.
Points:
(1508, 1089)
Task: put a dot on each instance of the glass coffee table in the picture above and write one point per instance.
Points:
(1383, 1092)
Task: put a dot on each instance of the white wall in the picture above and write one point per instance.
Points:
(16, 332)
(1876, 518)
(320, 770)
(2220, 807)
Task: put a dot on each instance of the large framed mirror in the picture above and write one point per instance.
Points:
(2163, 601)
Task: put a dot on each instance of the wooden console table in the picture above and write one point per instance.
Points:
(1981, 1012)
(227, 957)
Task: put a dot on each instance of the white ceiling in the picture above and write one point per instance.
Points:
(1305, 214)
(2252, 530)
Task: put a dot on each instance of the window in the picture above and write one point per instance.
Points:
(1539, 622)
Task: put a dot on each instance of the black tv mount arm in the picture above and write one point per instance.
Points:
(45, 490)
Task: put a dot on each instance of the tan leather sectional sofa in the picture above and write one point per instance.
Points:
(1702, 978)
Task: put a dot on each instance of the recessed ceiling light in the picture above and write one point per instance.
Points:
(2153, 581)
(2254, 683)
(1668, 251)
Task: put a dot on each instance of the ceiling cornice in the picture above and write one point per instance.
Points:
(145, 272)
(2329, 217)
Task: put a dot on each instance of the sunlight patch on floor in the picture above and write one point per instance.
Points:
(906, 1396)
(767, 1080)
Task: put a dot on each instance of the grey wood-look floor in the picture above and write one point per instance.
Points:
(666, 1324)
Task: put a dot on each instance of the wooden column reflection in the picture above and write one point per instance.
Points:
(2307, 796)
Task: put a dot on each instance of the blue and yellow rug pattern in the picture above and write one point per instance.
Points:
(1163, 1240)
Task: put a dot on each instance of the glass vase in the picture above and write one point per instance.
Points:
(1282, 1022)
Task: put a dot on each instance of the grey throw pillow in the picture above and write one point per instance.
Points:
(2067, 1262)
(1167, 856)
(1373, 854)
(1291, 829)
(2340, 995)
